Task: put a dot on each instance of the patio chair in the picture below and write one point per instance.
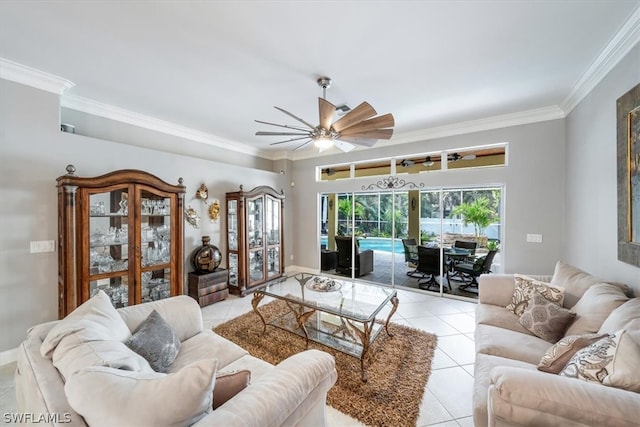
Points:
(411, 255)
(430, 262)
(465, 244)
(363, 258)
(469, 272)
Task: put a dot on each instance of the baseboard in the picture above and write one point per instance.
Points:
(292, 269)
(8, 356)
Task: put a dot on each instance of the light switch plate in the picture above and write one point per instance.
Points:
(41, 246)
(534, 238)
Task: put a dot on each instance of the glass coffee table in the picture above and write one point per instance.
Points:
(340, 314)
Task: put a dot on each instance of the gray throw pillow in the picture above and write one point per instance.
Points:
(156, 341)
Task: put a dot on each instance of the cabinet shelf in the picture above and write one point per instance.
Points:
(87, 244)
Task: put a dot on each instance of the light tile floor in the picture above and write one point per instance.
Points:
(447, 397)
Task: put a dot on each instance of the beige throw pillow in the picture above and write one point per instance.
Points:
(228, 384)
(611, 361)
(546, 319)
(524, 288)
(95, 320)
(108, 397)
(597, 303)
(557, 356)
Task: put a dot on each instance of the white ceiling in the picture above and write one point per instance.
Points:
(213, 67)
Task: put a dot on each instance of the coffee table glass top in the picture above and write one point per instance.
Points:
(353, 300)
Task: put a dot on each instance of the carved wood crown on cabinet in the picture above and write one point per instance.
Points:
(122, 233)
(255, 240)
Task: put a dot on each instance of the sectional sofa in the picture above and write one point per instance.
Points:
(79, 372)
(587, 375)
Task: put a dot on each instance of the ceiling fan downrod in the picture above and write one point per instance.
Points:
(324, 83)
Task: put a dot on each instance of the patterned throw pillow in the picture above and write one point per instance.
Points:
(524, 289)
(546, 319)
(559, 354)
(156, 341)
(610, 361)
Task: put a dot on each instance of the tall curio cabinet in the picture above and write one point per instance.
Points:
(121, 233)
(255, 252)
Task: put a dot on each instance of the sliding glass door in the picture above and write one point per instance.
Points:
(362, 234)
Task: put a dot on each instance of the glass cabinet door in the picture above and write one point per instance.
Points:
(255, 236)
(155, 245)
(232, 225)
(273, 221)
(108, 262)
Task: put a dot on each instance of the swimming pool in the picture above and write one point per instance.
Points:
(376, 243)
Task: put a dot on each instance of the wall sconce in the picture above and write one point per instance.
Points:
(331, 204)
(414, 202)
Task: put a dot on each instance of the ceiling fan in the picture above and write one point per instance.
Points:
(358, 126)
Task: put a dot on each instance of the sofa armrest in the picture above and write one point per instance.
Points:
(299, 380)
(497, 289)
(527, 397)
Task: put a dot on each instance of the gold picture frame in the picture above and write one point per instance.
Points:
(628, 132)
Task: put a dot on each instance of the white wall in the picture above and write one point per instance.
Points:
(33, 154)
(591, 235)
(533, 180)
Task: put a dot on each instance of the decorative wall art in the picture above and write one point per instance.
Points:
(628, 130)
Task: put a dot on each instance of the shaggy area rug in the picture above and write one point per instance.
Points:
(398, 367)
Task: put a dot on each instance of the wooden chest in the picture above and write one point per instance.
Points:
(210, 287)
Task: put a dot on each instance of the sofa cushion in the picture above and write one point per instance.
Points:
(113, 397)
(488, 314)
(510, 344)
(524, 288)
(73, 355)
(555, 359)
(156, 341)
(612, 361)
(228, 384)
(208, 344)
(595, 306)
(546, 319)
(621, 316)
(95, 320)
(574, 281)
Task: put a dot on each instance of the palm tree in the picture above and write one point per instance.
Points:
(480, 213)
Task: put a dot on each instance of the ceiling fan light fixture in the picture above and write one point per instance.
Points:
(323, 142)
(428, 162)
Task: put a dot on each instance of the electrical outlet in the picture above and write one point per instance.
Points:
(291, 257)
(534, 238)
(41, 246)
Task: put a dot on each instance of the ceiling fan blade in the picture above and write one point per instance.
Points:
(289, 140)
(372, 134)
(344, 146)
(282, 126)
(385, 121)
(301, 146)
(327, 110)
(358, 114)
(264, 133)
(360, 141)
(295, 117)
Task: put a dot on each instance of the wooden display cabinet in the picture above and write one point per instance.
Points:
(121, 232)
(255, 243)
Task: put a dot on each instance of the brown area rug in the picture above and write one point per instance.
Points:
(398, 367)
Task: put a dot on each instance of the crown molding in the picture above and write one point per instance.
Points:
(111, 112)
(621, 43)
(506, 120)
(22, 74)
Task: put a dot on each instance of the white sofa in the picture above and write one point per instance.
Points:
(289, 394)
(509, 390)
